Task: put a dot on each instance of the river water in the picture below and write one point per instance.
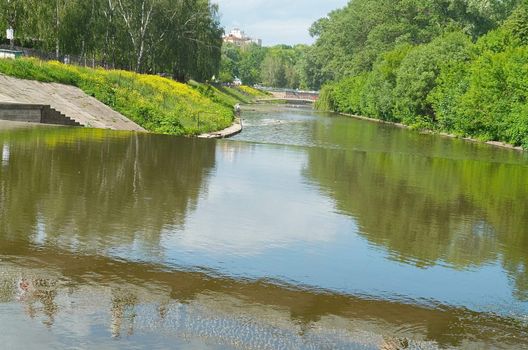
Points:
(306, 231)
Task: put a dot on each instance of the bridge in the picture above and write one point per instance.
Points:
(298, 101)
(291, 96)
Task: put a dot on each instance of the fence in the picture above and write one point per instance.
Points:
(82, 61)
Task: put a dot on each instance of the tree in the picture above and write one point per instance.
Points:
(179, 36)
(350, 40)
(137, 16)
(273, 72)
(417, 74)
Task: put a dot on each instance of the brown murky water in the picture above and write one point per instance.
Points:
(307, 231)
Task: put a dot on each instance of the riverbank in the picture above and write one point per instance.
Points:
(403, 126)
(233, 130)
(156, 104)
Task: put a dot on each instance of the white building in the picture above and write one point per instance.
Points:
(239, 38)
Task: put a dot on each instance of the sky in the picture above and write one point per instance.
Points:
(276, 21)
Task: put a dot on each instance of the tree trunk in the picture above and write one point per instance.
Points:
(57, 42)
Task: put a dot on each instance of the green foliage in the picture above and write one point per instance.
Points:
(429, 74)
(445, 97)
(273, 72)
(158, 104)
(249, 65)
(517, 24)
(488, 96)
(350, 40)
(216, 93)
(277, 66)
(326, 101)
(416, 77)
(348, 94)
(491, 103)
(378, 95)
(181, 37)
(228, 95)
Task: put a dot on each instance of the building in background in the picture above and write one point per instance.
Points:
(239, 38)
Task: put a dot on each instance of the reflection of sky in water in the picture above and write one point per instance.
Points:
(250, 227)
(5, 154)
(91, 316)
(255, 211)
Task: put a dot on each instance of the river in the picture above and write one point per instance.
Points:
(305, 231)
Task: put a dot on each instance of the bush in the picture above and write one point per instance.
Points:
(326, 99)
(416, 77)
(493, 105)
(347, 94)
(378, 97)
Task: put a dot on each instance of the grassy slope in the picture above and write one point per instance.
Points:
(229, 96)
(158, 104)
(253, 92)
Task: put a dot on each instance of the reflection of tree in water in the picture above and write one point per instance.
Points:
(427, 208)
(38, 295)
(123, 312)
(91, 188)
(139, 296)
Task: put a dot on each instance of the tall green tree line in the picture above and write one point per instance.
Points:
(277, 66)
(181, 37)
(446, 65)
(350, 40)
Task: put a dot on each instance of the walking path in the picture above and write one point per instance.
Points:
(234, 129)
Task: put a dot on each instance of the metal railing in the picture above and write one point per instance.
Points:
(82, 61)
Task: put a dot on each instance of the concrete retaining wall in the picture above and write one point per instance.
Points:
(34, 113)
(21, 113)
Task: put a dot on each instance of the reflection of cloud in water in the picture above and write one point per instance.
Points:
(270, 121)
(5, 154)
(120, 312)
(243, 214)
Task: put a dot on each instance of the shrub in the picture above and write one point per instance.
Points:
(417, 75)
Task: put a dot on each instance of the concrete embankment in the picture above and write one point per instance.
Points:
(68, 101)
(233, 130)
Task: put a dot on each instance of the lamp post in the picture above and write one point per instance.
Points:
(10, 34)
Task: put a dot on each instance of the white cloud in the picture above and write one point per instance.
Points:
(276, 21)
(282, 32)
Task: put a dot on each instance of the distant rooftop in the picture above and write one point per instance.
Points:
(239, 38)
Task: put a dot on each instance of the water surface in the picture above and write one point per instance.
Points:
(305, 231)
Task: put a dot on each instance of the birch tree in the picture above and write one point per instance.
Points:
(137, 16)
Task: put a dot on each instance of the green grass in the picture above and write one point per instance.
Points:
(255, 93)
(229, 95)
(158, 104)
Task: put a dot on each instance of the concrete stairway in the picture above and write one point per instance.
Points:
(72, 103)
(52, 116)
